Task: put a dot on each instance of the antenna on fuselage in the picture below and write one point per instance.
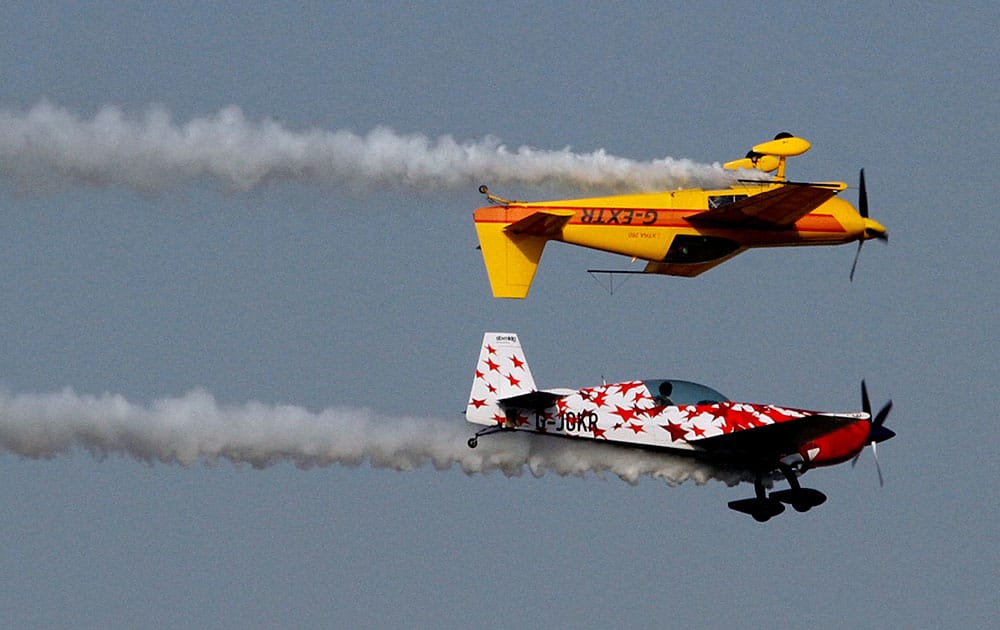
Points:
(610, 287)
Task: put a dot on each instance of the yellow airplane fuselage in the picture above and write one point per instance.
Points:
(643, 226)
(662, 228)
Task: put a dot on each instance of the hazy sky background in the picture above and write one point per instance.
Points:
(339, 296)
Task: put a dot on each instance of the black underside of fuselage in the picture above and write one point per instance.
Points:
(746, 467)
(691, 249)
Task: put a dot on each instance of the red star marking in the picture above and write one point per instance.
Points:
(677, 432)
(518, 363)
(641, 396)
(521, 420)
(598, 433)
(652, 412)
(513, 381)
(499, 418)
(599, 398)
(638, 428)
(494, 367)
(479, 374)
(491, 387)
(477, 403)
(618, 425)
(561, 405)
(490, 349)
(586, 394)
(625, 388)
(698, 431)
(737, 420)
(626, 414)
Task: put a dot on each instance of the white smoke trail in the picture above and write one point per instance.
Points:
(49, 147)
(195, 428)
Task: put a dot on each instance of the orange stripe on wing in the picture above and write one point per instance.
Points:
(819, 223)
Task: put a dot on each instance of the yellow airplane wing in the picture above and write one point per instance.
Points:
(687, 270)
(778, 208)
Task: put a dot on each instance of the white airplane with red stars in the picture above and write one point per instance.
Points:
(676, 416)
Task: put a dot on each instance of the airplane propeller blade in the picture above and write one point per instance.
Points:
(877, 432)
(878, 469)
(857, 254)
(863, 197)
(866, 405)
(882, 414)
(863, 211)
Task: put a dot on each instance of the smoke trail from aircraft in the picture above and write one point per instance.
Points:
(195, 428)
(48, 148)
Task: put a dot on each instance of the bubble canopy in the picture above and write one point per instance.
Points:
(683, 392)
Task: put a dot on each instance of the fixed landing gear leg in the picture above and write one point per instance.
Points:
(474, 440)
(758, 487)
(802, 499)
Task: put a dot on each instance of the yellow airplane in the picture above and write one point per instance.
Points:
(678, 232)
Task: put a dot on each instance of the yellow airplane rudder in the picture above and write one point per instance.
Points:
(511, 259)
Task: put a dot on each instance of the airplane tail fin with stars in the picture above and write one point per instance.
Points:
(501, 373)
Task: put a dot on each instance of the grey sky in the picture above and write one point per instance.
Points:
(325, 296)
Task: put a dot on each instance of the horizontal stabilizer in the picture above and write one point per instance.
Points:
(532, 401)
(546, 223)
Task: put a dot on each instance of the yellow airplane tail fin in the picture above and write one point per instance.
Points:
(511, 259)
(512, 244)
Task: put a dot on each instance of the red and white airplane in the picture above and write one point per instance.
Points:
(676, 416)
